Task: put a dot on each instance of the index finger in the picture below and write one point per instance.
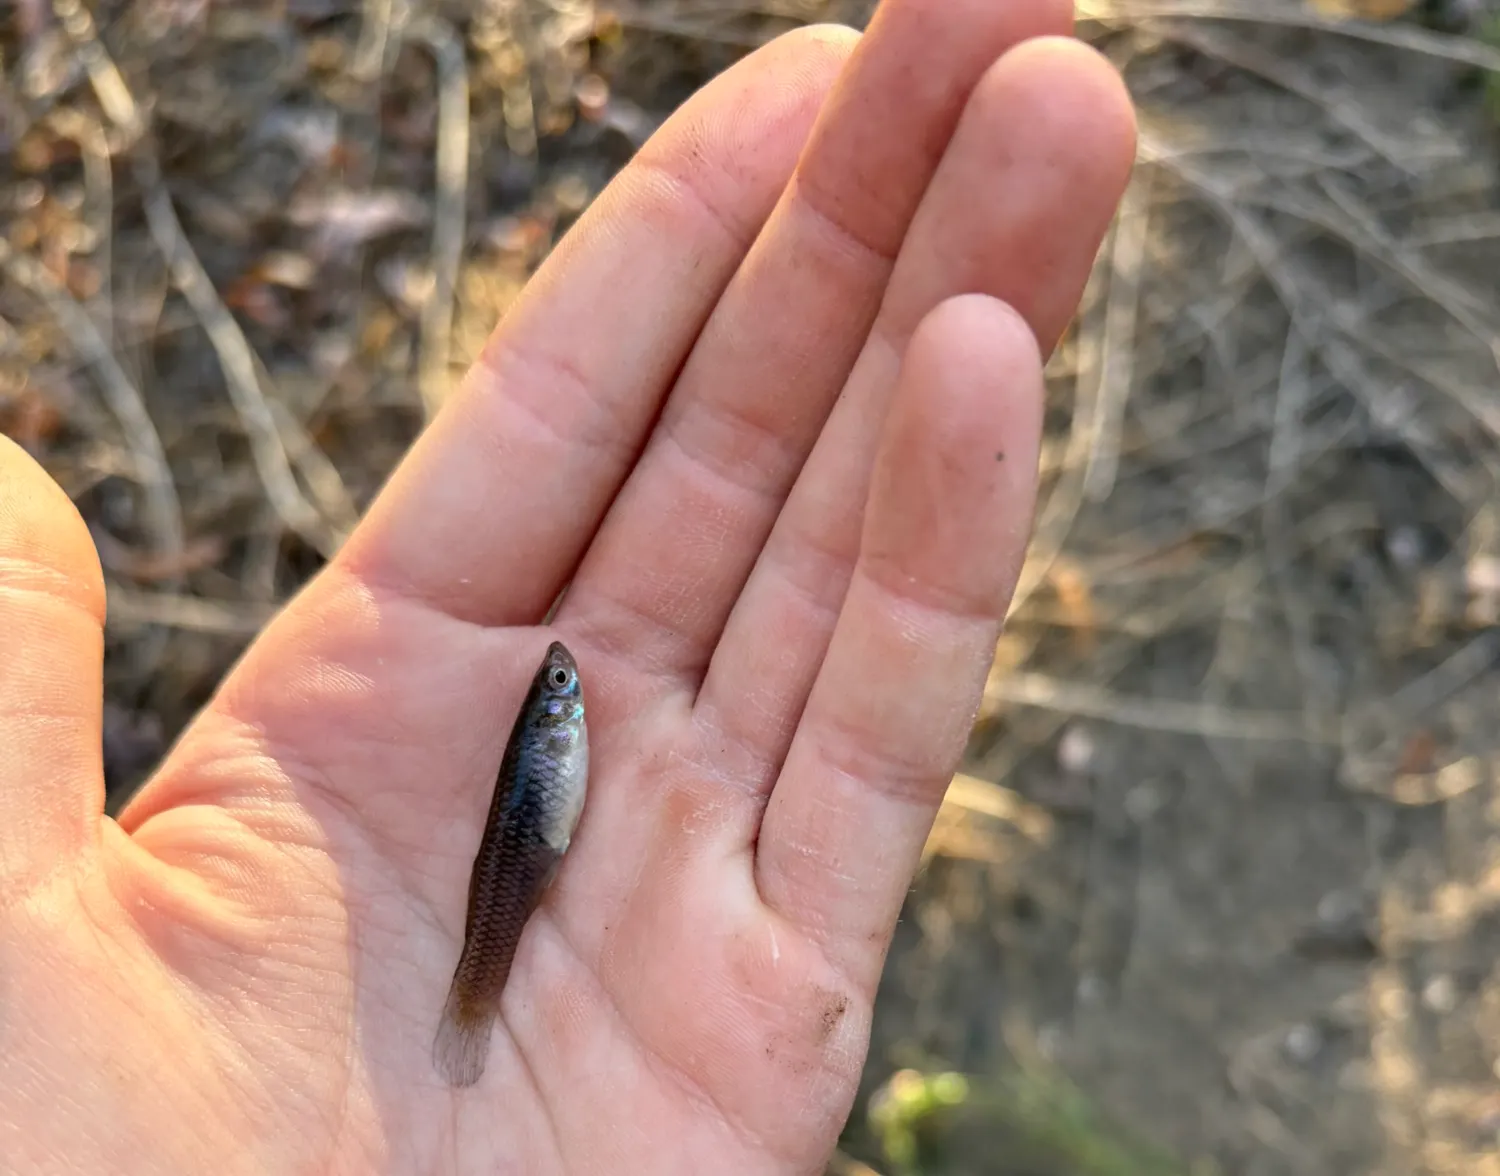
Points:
(491, 510)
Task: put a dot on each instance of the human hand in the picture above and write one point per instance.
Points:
(834, 272)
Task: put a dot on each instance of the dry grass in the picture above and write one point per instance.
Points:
(1246, 699)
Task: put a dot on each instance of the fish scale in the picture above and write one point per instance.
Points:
(538, 798)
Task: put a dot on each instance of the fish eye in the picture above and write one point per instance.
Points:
(559, 677)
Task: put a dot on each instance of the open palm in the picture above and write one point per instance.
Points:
(770, 413)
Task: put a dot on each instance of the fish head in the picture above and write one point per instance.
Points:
(558, 677)
(557, 694)
(561, 739)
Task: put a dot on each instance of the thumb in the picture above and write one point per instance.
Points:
(51, 676)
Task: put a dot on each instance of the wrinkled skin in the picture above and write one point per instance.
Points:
(835, 271)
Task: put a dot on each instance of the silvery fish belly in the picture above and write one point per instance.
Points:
(538, 799)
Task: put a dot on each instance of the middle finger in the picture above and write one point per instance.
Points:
(1049, 138)
(678, 544)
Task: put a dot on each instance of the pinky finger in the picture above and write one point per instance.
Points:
(945, 532)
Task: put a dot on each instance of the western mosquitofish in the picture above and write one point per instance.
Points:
(538, 799)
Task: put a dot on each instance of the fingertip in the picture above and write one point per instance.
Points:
(955, 485)
(1088, 106)
(1050, 132)
(974, 328)
(826, 43)
(972, 378)
(769, 99)
(44, 543)
(986, 24)
(888, 122)
(51, 666)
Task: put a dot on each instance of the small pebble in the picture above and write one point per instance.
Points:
(330, 352)
(1303, 1043)
(1075, 750)
(1404, 546)
(1440, 994)
(1090, 989)
(592, 94)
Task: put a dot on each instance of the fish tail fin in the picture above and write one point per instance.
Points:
(462, 1043)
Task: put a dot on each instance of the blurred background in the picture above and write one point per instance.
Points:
(1218, 890)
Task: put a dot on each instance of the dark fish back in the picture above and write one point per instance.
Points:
(525, 836)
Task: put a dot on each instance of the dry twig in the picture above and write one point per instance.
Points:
(236, 358)
(448, 213)
(1460, 50)
(124, 400)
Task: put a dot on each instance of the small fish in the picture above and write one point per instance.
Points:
(538, 799)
